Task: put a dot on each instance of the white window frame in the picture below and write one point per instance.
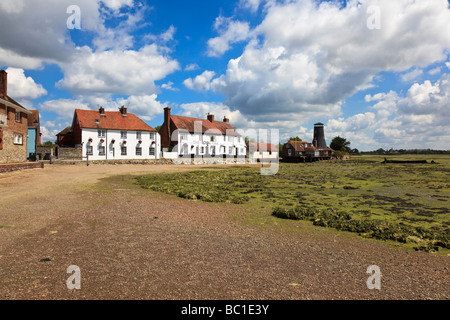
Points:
(18, 139)
(101, 133)
(123, 134)
(139, 154)
(18, 116)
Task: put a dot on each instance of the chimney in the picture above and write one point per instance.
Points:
(3, 83)
(210, 117)
(123, 111)
(226, 120)
(102, 111)
(167, 115)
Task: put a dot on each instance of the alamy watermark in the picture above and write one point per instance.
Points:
(374, 19)
(374, 281)
(74, 281)
(74, 21)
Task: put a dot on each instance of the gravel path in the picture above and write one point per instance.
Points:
(133, 244)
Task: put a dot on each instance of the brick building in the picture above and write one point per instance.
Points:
(13, 126)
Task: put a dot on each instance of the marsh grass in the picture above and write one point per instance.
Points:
(407, 203)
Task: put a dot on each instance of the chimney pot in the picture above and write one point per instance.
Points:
(226, 120)
(211, 117)
(123, 111)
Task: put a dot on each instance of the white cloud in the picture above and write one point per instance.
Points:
(306, 58)
(126, 72)
(230, 32)
(200, 82)
(434, 71)
(117, 4)
(253, 5)
(33, 32)
(412, 75)
(169, 86)
(191, 67)
(417, 120)
(145, 107)
(63, 107)
(21, 87)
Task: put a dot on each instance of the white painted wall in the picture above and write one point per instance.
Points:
(203, 145)
(114, 150)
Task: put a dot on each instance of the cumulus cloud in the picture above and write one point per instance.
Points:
(129, 72)
(252, 5)
(21, 87)
(418, 119)
(117, 4)
(65, 108)
(40, 34)
(305, 58)
(200, 82)
(230, 32)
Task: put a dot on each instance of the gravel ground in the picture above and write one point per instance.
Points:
(133, 244)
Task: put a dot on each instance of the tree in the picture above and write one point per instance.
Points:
(340, 144)
(157, 128)
(295, 139)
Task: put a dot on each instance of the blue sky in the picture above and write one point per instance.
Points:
(373, 71)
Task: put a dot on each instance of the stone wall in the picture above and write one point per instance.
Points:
(69, 153)
(20, 166)
(12, 153)
(44, 153)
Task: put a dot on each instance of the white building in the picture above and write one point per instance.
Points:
(119, 135)
(199, 137)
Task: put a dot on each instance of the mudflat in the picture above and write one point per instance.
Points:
(130, 243)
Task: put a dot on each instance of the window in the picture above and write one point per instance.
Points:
(89, 150)
(101, 133)
(212, 138)
(213, 151)
(139, 135)
(123, 134)
(231, 150)
(18, 138)
(17, 116)
(138, 151)
(152, 151)
(152, 136)
(124, 151)
(183, 137)
(101, 151)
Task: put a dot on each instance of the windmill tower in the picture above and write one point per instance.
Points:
(319, 136)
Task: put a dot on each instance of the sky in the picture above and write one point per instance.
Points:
(376, 72)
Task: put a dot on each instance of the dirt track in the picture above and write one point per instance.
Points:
(132, 244)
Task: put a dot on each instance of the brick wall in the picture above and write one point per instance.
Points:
(20, 166)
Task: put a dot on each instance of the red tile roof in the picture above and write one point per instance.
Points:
(263, 147)
(65, 131)
(299, 145)
(112, 120)
(186, 123)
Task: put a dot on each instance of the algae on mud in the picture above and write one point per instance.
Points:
(401, 202)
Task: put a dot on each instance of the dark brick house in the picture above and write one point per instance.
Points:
(13, 126)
